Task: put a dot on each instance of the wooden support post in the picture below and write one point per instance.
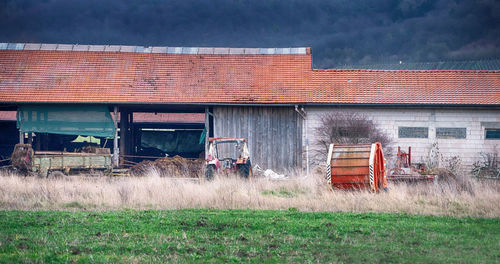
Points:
(21, 137)
(45, 141)
(115, 139)
(130, 149)
(123, 134)
(207, 127)
(38, 141)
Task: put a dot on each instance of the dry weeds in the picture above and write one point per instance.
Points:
(465, 198)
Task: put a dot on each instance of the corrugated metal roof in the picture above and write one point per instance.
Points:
(175, 77)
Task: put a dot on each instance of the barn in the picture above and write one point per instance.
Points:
(271, 96)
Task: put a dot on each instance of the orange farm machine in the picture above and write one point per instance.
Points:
(406, 171)
(356, 167)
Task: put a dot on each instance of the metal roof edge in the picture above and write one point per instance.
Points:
(489, 106)
(157, 49)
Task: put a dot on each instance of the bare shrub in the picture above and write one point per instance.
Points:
(453, 164)
(347, 127)
(432, 159)
(488, 166)
(448, 168)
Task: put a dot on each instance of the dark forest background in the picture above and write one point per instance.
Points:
(340, 32)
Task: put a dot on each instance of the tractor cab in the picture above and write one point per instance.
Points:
(228, 155)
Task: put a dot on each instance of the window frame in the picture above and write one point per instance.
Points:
(409, 127)
(486, 133)
(464, 128)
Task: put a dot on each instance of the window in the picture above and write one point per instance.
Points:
(351, 132)
(451, 132)
(492, 133)
(413, 132)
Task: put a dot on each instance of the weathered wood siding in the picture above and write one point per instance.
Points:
(274, 134)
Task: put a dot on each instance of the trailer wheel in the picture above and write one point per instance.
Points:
(245, 170)
(55, 175)
(209, 172)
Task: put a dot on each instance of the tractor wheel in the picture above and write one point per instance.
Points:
(245, 170)
(209, 172)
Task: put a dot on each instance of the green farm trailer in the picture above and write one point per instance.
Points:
(45, 163)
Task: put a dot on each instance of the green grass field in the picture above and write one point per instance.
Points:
(244, 235)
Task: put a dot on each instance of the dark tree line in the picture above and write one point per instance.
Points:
(341, 32)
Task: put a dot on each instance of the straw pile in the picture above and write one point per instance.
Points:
(177, 167)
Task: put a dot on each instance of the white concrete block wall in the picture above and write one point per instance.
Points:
(389, 119)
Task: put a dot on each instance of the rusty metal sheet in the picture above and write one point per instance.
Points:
(351, 171)
(350, 179)
(365, 155)
(351, 185)
(349, 162)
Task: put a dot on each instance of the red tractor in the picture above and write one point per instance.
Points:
(228, 155)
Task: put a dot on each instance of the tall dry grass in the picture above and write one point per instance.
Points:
(465, 198)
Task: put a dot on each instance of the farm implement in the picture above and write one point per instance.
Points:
(405, 171)
(54, 163)
(356, 167)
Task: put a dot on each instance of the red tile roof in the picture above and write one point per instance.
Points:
(127, 77)
(138, 117)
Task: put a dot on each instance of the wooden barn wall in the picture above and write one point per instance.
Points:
(274, 134)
